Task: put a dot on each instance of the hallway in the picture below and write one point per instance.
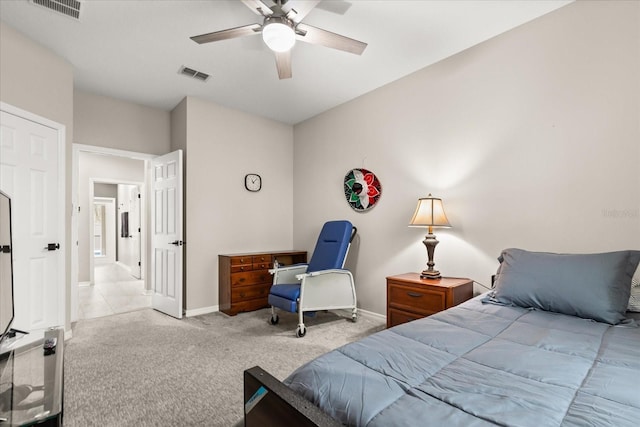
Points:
(115, 291)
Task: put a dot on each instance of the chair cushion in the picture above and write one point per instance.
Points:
(283, 303)
(290, 292)
(331, 247)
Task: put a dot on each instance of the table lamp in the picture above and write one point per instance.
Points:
(430, 213)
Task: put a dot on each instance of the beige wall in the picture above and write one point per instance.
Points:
(223, 145)
(531, 139)
(108, 122)
(36, 80)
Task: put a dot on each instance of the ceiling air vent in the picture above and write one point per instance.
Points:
(70, 8)
(198, 75)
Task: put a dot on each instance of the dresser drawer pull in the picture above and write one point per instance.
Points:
(414, 294)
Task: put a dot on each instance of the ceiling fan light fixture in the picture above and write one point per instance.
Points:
(278, 34)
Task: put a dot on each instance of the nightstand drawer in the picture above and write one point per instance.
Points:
(411, 298)
(398, 317)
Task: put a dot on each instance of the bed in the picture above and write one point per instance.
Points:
(552, 345)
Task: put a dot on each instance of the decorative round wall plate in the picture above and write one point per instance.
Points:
(362, 189)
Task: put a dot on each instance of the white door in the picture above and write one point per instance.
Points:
(166, 233)
(29, 169)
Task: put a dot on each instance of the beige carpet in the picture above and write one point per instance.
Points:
(147, 369)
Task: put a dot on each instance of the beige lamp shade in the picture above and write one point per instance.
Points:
(429, 213)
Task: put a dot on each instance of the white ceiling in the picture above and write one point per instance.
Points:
(133, 49)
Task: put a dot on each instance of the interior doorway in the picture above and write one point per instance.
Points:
(118, 284)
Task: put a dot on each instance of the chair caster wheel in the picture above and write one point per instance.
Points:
(354, 318)
(300, 332)
(274, 320)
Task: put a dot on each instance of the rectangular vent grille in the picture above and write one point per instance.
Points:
(199, 75)
(70, 8)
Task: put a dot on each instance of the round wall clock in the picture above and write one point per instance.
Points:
(362, 189)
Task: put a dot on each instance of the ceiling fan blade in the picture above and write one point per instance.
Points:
(283, 63)
(231, 33)
(297, 10)
(258, 7)
(314, 35)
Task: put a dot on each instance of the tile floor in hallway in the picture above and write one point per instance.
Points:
(115, 291)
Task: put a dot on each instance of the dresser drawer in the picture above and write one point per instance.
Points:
(241, 268)
(249, 305)
(241, 293)
(237, 260)
(415, 299)
(398, 317)
(261, 259)
(262, 265)
(254, 277)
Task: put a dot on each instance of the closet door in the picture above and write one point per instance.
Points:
(30, 174)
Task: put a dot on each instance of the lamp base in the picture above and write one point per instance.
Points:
(430, 274)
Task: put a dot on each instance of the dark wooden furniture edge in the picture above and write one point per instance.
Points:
(268, 402)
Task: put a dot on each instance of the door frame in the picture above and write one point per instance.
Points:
(60, 129)
(93, 149)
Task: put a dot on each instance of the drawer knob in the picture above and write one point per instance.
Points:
(414, 294)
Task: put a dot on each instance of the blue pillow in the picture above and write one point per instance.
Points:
(591, 286)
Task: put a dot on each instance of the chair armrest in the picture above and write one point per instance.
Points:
(287, 274)
(289, 268)
(322, 272)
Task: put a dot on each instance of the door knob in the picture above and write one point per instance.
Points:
(52, 246)
(177, 243)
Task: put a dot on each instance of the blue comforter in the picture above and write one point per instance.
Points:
(481, 364)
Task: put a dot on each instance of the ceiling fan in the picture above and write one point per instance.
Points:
(281, 26)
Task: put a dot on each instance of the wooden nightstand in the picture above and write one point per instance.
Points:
(409, 297)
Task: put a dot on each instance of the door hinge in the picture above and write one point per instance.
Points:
(139, 264)
(139, 196)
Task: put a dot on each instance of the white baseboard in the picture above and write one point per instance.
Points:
(367, 313)
(203, 310)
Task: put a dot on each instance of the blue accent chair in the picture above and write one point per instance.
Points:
(323, 284)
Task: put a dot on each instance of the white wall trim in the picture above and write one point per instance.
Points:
(113, 152)
(62, 214)
(202, 310)
(363, 313)
(371, 314)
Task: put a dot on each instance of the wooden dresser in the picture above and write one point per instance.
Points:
(409, 297)
(244, 279)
